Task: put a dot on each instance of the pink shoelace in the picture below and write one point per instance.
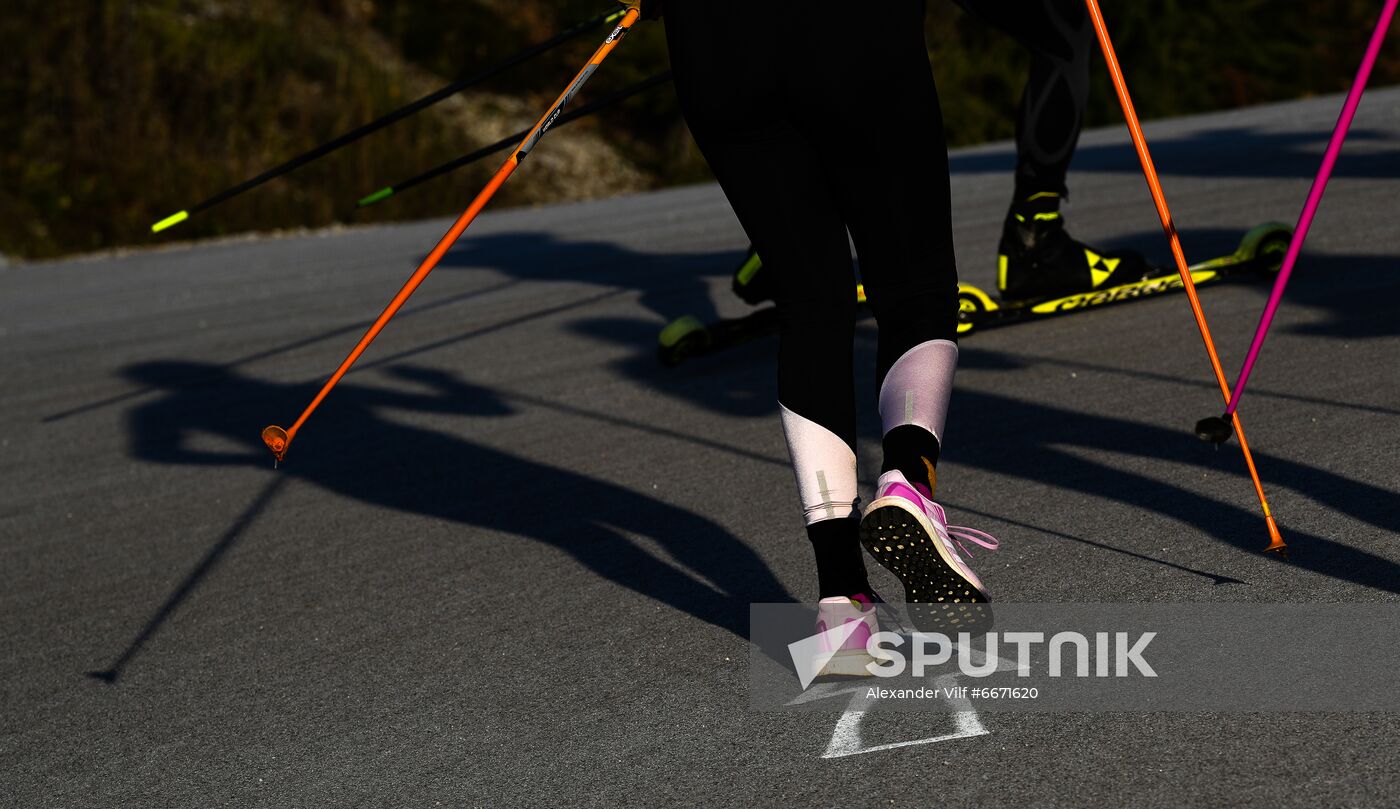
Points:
(958, 533)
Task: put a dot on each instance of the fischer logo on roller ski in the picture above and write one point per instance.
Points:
(1258, 255)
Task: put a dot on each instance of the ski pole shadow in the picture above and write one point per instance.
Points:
(1215, 578)
(668, 285)
(191, 582)
(1355, 292)
(709, 574)
(217, 369)
(665, 282)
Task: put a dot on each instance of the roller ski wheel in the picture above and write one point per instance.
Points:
(973, 306)
(682, 338)
(1266, 245)
(689, 337)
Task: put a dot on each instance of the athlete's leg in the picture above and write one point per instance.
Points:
(1060, 40)
(739, 112)
(874, 113)
(876, 118)
(1037, 258)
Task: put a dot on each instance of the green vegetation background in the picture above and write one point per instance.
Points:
(114, 113)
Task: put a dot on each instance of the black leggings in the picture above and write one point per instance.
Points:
(1060, 39)
(821, 118)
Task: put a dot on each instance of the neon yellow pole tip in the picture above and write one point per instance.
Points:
(382, 194)
(170, 221)
(615, 16)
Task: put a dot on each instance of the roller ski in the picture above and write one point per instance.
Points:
(689, 336)
(1076, 277)
(1053, 275)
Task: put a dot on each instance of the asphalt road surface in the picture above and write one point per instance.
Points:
(510, 561)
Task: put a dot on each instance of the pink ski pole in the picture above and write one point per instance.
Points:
(1217, 429)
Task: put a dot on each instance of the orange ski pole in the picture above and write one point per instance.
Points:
(278, 439)
(1159, 198)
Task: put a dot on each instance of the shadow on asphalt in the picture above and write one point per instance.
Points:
(537, 256)
(393, 465)
(443, 475)
(349, 331)
(192, 580)
(1046, 447)
(1040, 448)
(669, 286)
(1215, 578)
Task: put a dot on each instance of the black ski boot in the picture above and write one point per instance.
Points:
(1037, 259)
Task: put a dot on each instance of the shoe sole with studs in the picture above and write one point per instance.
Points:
(939, 598)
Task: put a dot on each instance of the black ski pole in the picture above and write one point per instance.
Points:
(385, 120)
(506, 142)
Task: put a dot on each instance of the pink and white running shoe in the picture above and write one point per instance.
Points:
(850, 658)
(909, 535)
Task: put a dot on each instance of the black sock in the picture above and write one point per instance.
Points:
(840, 561)
(914, 451)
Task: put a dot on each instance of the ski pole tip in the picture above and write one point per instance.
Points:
(1276, 543)
(378, 196)
(170, 221)
(277, 440)
(1215, 430)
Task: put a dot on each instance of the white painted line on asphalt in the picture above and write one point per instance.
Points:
(846, 741)
(846, 736)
